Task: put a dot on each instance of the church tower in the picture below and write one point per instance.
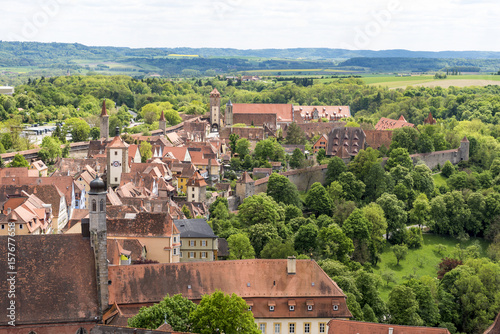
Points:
(229, 114)
(104, 121)
(98, 238)
(214, 110)
(117, 160)
(162, 123)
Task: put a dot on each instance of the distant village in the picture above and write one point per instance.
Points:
(105, 234)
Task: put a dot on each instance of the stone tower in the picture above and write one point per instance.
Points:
(162, 123)
(229, 114)
(98, 238)
(215, 110)
(245, 187)
(104, 121)
(464, 149)
(117, 161)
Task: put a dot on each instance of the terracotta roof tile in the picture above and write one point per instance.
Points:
(246, 278)
(337, 326)
(283, 112)
(389, 124)
(65, 279)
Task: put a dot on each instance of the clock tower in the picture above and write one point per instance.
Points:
(117, 161)
(215, 118)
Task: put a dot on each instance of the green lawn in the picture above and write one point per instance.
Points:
(420, 262)
(439, 180)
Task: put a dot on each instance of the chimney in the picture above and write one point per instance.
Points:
(8, 211)
(291, 265)
(391, 330)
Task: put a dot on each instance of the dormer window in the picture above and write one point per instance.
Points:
(335, 307)
(271, 308)
(309, 307)
(291, 308)
(271, 305)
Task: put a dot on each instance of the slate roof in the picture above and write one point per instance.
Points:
(194, 228)
(56, 278)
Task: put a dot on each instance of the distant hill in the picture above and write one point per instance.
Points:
(65, 56)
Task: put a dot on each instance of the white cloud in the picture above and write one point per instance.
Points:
(417, 25)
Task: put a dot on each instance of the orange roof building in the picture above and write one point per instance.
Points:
(283, 293)
(337, 326)
(390, 124)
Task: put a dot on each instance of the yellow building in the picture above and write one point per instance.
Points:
(198, 241)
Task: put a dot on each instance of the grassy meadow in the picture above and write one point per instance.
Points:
(420, 262)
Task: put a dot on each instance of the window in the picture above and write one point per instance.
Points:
(204, 243)
(116, 179)
(175, 240)
(175, 251)
(191, 255)
(203, 255)
(21, 226)
(307, 328)
(291, 308)
(322, 327)
(335, 307)
(191, 243)
(94, 205)
(101, 205)
(192, 188)
(2, 227)
(262, 328)
(180, 254)
(271, 308)
(309, 307)
(192, 196)
(116, 152)
(291, 328)
(277, 328)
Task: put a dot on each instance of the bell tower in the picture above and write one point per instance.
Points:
(98, 238)
(215, 111)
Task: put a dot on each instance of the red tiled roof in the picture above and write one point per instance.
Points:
(337, 326)
(65, 286)
(117, 142)
(246, 278)
(388, 124)
(283, 111)
(245, 178)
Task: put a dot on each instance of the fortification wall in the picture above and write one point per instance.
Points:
(302, 178)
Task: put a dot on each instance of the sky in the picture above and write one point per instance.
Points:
(420, 25)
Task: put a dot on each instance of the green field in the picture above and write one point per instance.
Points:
(394, 81)
(439, 180)
(419, 262)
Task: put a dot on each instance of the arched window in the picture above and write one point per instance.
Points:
(94, 205)
(101, 205)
